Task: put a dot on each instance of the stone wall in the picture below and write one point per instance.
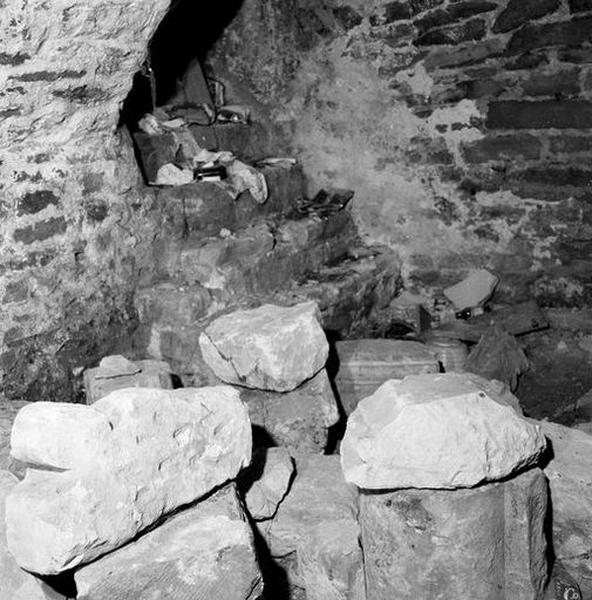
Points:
(464, 126)
(73, 230)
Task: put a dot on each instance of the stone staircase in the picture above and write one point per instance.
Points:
(216, 254)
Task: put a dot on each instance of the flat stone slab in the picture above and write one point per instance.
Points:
(441, 431)
(272, 347)
(315, 533)
(205, 552)
(298, 420)
(570, 480)
(117, 373)
(102, 473)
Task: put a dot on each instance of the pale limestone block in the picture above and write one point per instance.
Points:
(270, 348)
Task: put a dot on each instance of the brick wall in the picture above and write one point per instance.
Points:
(465, 126)
(73, 229)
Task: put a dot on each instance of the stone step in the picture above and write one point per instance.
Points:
(206, 207)
(350, 293)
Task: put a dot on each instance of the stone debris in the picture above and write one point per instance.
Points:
(298, 420)
(436, 431)
(315, 533)
(8, 412)
(117, 372)
(272, 347)
(570, 481)
(205, 552)
(266, 482)
(486, 542)
(16, 584)
(498, 356)
(116, 467)
(472, 291)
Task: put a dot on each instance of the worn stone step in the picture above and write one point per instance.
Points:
(206, 208)
(261, 257)
(350, 293)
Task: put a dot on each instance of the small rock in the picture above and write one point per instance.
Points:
(298, 420)
(152, 451)
(115, 366)
(269, 348)
(472, 291)
(435, 431)
(204, 552)
(266, 481)
(169, 174)
(117, 373)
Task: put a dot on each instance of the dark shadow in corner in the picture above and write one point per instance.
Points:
(186, 32)
(337, 431)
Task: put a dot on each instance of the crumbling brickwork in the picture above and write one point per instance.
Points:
(464, 126)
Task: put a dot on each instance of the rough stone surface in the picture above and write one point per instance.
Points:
(315, 531)
(365, 364)
(269, 348)
(266, 482)
(487, 542)
(298, 420)
(99, 381)
(140, 454)
(422, 110)
(204, 552)
(8, 412)
(436, 431)
(75, 217)
(570, 482)
(16, 584)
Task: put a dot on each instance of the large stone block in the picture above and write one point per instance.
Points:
(113, 469)
(570, 481)
(203, 553)
(298, 420)
(270, 348)
(545, 114)
(16, 584)
(101, 380)
(315, 532)
(519, 12)
(436, 431)
(485, 543)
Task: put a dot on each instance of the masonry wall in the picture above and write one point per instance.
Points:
(464, 126)
(73, 228)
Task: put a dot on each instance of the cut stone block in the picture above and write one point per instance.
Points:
(436, 431)
(472, 291)
(267, 481)
(298, 420)
(570, 481)
(366, 364)
(315, 532)
(153, 451)
(205, 552)
(117, 373)
(485, 543)
(16, 584)
(270, 348)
